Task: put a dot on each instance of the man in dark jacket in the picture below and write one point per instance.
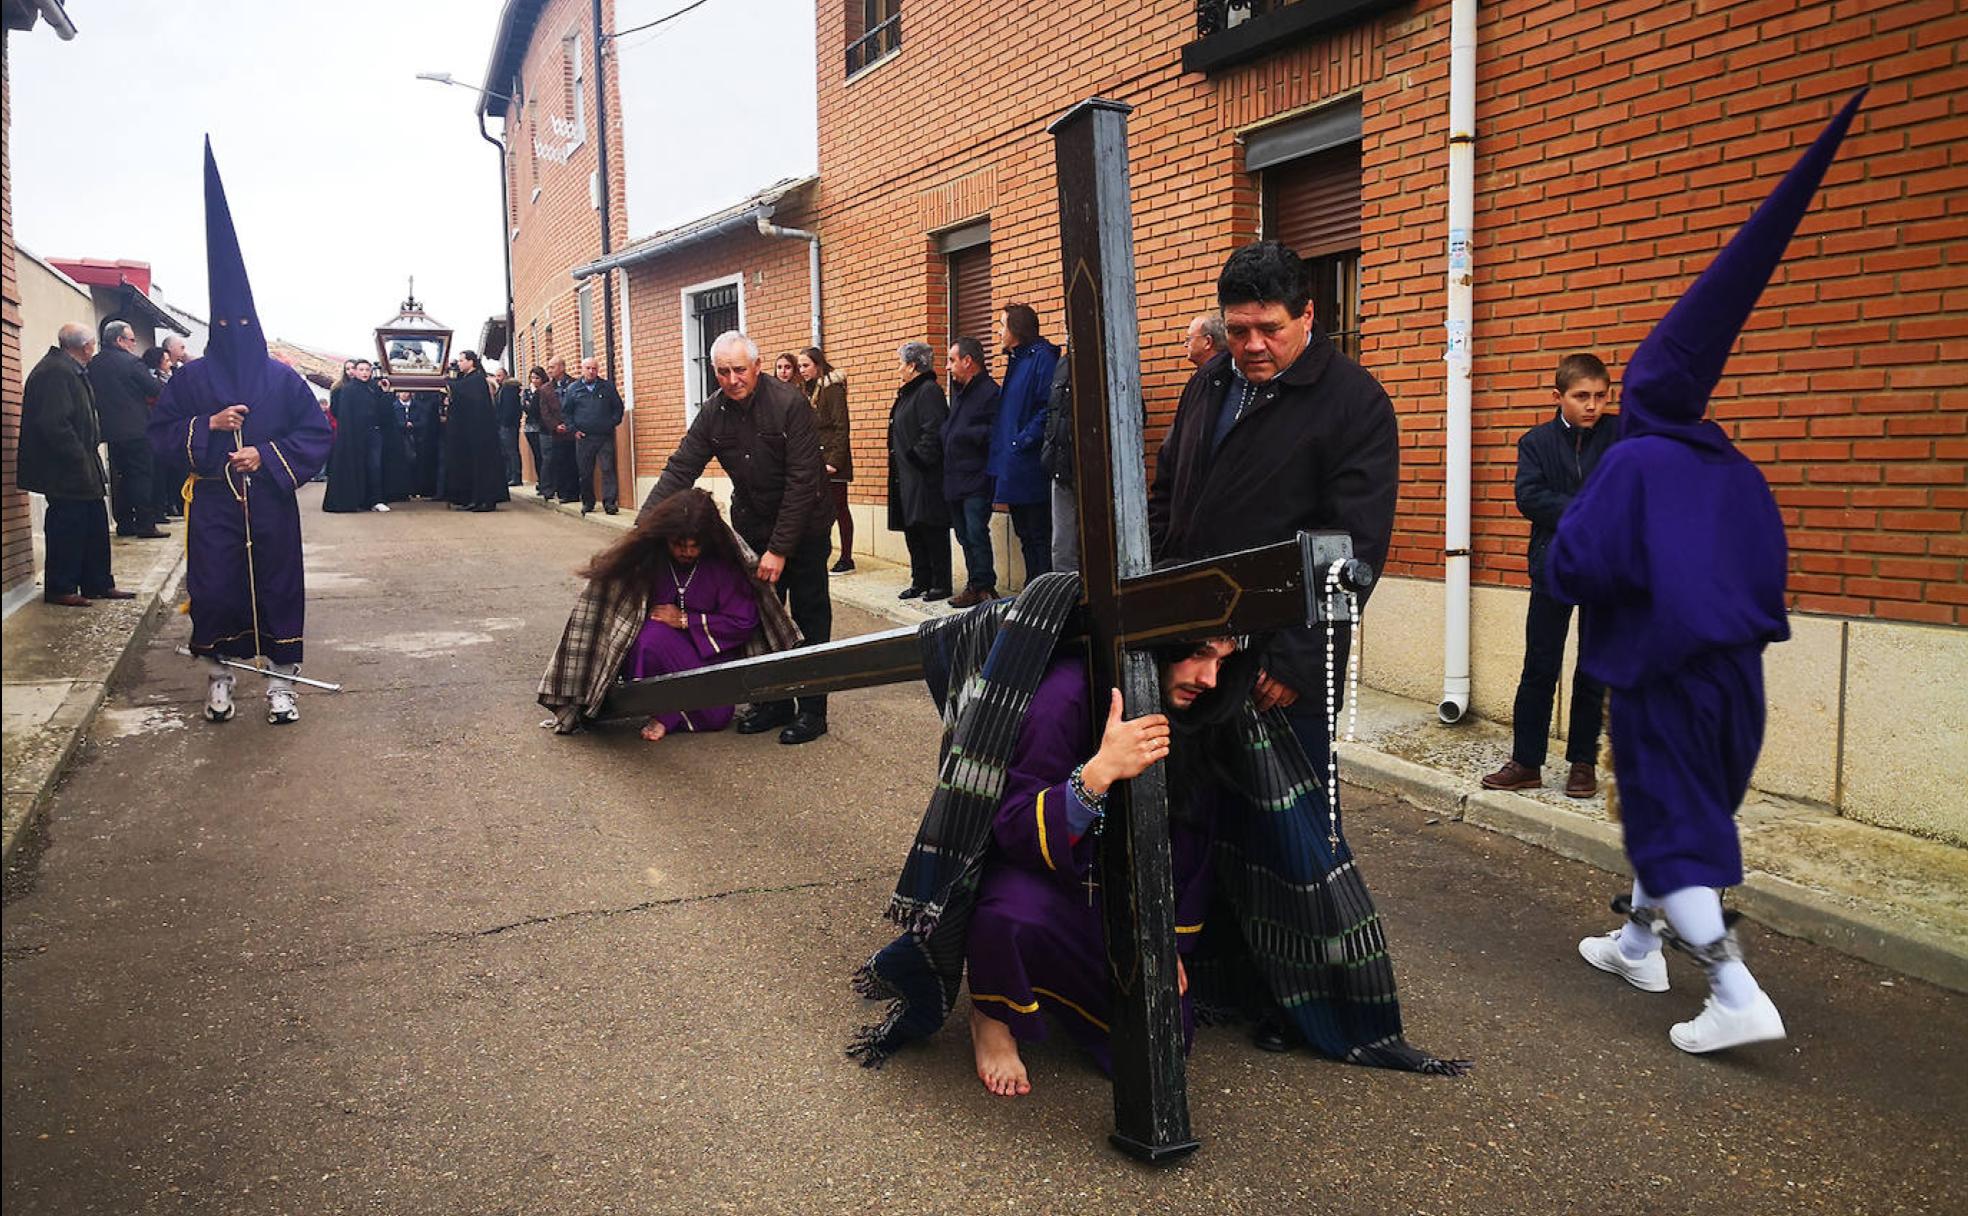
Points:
(1553, 460)
(966, 452)
(1019, 436)
(761, 432)
(125, 390)
(1280, 433)
(57, 459)
(506, 408)
(593, 409)
(1056, 458)
(916, 506)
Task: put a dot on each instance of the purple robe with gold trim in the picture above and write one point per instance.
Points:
(1036, 941)
(236, 590)
(721, 613)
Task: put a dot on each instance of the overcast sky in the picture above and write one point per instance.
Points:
(346, 174)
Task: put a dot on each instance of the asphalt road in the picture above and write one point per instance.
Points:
(418, 955)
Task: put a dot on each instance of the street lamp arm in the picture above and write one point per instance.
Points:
(447, 78)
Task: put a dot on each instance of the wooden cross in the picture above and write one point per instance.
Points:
(1127, 609)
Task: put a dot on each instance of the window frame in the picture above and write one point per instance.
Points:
(693, 338)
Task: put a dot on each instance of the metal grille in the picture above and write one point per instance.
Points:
(1215, 16)
(877, 33)
(713, 312)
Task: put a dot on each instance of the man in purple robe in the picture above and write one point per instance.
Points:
(249, 430)
(1674, 551)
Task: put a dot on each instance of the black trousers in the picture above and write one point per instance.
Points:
(77, 534)
(929, 556)
(533, 446)
(594, 454)
(132, 491)
(509, 450)
(1544, 657)
(803, 588)
(1032, 522)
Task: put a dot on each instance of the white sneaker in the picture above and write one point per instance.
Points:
(383, 507)
(1716, 1027)
(282, 707)
(218, 698)
(1647, 973)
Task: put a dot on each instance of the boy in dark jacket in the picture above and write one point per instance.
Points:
(1553, 460)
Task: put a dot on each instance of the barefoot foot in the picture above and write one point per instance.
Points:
(654, 730)
(998, 1065)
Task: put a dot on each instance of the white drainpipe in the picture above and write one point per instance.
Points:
(768, 228)
(1462, 212)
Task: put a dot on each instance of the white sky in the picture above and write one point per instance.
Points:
(346, 174)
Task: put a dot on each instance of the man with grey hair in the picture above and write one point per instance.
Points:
(916, 507)
(761, 432)
(125, 390)
(176, 355)
(57, 459)
(1205, 339)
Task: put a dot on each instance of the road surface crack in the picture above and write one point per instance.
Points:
(648, 905)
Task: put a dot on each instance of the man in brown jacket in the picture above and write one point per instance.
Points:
(58, 459)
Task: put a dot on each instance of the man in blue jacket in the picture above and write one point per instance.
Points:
(1553, 460)
(1018, 438)
(594, 409)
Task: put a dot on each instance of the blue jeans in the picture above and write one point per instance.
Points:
(1032, 522)
(971, 517)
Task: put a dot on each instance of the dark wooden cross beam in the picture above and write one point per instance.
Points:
(1127, 609)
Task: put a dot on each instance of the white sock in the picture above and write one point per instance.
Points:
(1635, 941)
(1696, 914)
(278, 683)
(213, 668)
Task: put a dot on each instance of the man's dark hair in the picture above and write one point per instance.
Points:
(969, 348)
(1022, 323)
(361, 363)
(1574, 368)
(1264, 272)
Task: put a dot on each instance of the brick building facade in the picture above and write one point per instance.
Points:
(16, 527)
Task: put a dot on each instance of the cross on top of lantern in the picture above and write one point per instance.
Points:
(413, 347)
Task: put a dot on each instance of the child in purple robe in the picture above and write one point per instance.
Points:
(702, 605)
(1675, 553)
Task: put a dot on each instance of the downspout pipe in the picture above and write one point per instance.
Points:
(768, 228)
(601, 41)
(505, 233)
(1457, 355)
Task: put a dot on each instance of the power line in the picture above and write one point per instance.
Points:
(650, 25)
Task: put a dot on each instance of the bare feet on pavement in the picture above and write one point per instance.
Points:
(998, 1065)
(653, 730)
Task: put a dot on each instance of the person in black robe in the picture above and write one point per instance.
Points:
(475, 472)
(393, 441)
(355, 465)
(426, 444)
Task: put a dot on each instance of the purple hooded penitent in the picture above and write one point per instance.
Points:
(243, 603)
(1674, 551)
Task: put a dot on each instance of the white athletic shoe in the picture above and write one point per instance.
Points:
(218, 698)
(384, 507)
(282, 707)
(1648, 973)
(1716, 1027)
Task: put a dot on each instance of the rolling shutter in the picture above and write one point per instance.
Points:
(1312, 204)
(970, 294)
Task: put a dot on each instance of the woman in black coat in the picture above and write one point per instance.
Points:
(915, 474)
(474, 469)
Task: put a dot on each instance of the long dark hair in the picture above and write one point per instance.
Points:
(818, 360)
(644, 553)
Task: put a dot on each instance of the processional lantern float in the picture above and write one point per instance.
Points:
(413, 348)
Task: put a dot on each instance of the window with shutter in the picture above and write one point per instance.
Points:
(1312, 204)
(970, 294)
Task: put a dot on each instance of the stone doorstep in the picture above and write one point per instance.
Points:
(1920, 929)
(39, 743)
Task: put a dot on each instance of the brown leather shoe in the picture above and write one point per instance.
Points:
(1583, 781)
(971, 597)
(114, 593)
(1514, 776)
(67, 601)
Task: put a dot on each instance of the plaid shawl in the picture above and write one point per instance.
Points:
(1298, 935)
(604, 624)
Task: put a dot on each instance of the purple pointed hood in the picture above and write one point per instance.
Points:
(1667, 383)
(235, 347)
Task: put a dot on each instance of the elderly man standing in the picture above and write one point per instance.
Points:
(125, 391)
(761, 432)
(593, 409)
(1205, 339)
(916, 507)
(58, 460)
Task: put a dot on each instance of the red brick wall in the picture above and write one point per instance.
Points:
(1618, 145)
(17, 553)
(561, 229)
(775, 307)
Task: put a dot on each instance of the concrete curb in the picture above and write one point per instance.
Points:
(70, 722)
(1777, 903)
